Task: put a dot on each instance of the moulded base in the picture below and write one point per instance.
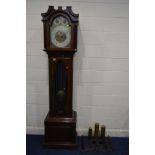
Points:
(60, 132)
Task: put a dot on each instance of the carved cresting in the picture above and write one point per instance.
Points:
(48, 18)
(47, 15)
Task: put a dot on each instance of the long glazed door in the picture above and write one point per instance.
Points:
(60, 79)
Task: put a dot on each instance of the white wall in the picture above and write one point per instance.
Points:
(100, 85)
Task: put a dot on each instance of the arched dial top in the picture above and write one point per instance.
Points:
(60, 33)
(60, 30)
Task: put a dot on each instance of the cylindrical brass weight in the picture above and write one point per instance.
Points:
(90, 133)
(96, 132)
(102, 131)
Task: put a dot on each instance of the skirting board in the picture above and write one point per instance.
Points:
(110, 132)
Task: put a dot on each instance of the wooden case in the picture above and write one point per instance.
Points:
(60, 123)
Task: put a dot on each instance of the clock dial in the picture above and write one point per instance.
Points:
(60, 33)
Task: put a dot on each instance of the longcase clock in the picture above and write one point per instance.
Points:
(60, 43)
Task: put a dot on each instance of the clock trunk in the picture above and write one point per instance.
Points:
(60, 80)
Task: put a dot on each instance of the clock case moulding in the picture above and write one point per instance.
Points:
(60, 122)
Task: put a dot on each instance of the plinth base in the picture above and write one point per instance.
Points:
(50, 145)
(60, 132)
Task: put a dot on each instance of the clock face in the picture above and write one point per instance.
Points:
(60, 33)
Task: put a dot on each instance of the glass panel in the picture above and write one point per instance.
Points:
(60, 86)
(60, 32)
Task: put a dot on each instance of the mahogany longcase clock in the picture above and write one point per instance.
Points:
(60, 43)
